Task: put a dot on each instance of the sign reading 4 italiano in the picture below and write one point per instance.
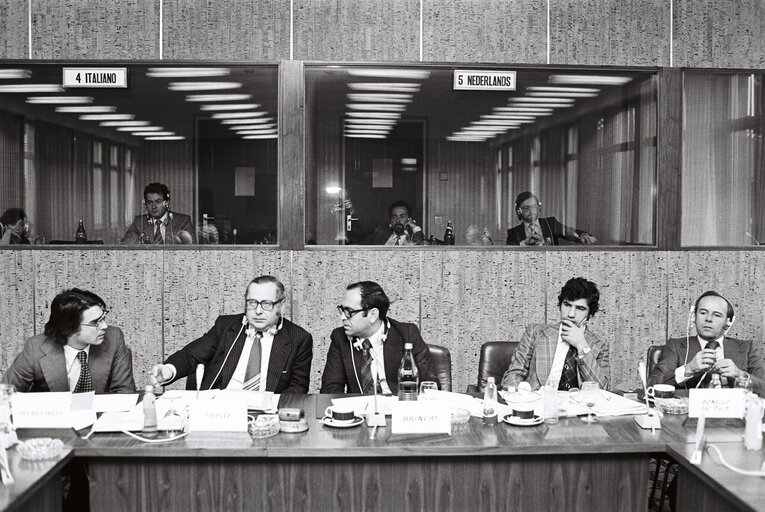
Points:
(482, 80)
(95, 77)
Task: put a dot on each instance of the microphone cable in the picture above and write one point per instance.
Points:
(746, 472)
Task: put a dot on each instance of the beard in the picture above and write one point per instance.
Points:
(398, 229)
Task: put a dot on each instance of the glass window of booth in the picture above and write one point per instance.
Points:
(177, 154)
(411, 156)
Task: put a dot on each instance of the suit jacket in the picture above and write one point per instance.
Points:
(289, 365)
(382, 233)
(534, 356)
(551, 228)
(339, 375)
(744, 354)
(41, 365)
(177, 224)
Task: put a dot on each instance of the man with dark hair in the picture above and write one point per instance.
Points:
(160, 225)
(258, 351)
(565, 353)
(14, 227)
(78, 352)
(370, 343)
(402, 229)
(688, 362)
(544, 231)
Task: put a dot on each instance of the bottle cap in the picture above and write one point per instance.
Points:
(408, 346)
(490, 380)
(149, 388)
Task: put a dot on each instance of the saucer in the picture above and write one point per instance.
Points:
(518, 422)
(520, 397)
(341, 424)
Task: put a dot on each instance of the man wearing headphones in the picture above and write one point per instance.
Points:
(402, 229)
(160, 225)
(687, 362)
(369, 343)
(544, 231)
(257, 351)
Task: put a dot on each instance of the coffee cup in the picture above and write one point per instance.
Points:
(340, 413)
(524, 411)
(660, 391)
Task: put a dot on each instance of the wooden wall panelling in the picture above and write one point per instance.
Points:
(710, 33)
(384, 30)
(226, 30)
(318, 285)
(17, 303)
(292, 165)
(14, 37)
(486, 31)
(471, 297)
(89, 29)
(669, 154)
(601, 32)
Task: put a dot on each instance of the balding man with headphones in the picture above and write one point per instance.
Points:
(541, 231)
(160, 226)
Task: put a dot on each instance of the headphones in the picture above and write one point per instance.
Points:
(519, 212)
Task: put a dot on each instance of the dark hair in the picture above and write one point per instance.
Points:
(12, 216)
(372, 296)
(157, 188)
(268, 279)
(523, 196)
(712, 293)
(580, 288)
(66, 313)
(398, 204)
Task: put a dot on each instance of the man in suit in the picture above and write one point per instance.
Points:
(402, 229)
(160, 225)
(544, 231)
(258, 351)
(369, 342)
(685, 362)
(565, 353)
(78, 352)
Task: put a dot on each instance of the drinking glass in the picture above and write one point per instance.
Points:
(745, 383)
(173, 420)
(426, 387)
(589, 394)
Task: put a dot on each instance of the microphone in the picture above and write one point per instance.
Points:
(200, 374)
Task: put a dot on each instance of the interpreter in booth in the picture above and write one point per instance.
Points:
(160, 225)
(402, 229)
(541, 231)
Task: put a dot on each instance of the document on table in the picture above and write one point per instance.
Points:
(130, 421)
(608, 404)
(115, 402)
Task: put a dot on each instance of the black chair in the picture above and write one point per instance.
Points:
(441, 360)
(663, 463)
(654, 353)
(494, 362)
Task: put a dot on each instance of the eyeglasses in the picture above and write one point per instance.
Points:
(98, 321)
(348, 312)
(157, 202)
(267, 305)
(532, 207)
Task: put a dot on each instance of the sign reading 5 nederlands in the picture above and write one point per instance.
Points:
(95, 77)
(482, 80)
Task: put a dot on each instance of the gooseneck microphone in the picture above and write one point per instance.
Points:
(244, 322)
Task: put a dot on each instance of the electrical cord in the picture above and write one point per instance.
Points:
(746, 472)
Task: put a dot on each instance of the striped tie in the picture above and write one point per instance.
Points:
(157, 233)
(85, 382)
(252, 373)
(367, 381)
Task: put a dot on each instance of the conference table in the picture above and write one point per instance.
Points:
(37, 484)
(571, 465)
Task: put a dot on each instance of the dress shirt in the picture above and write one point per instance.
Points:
(162, 226)
(561, 350)
(378, 363)
(719, 352)
(73, 364)
(402, 238)
(237, 379)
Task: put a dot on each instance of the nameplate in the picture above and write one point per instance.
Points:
(95, 78)
(42, 410)
(420, 418)
(483, 80)
(219, 415)
(716, 403)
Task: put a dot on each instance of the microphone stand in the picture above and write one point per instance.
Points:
(650, 419)
(376, 419)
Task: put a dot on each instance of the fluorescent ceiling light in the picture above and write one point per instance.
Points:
(526, 99)
(386, 122)
(252, 126)
(518, 117)
(382, 96)
(374, 115)
(535, 110)
(237, 115)
(537, 88)
(496, 122)
(15, 73)
(252, 137)
(256, 132)
(152, 134)
(552, 105)
(333, 189)
(373, 132)
(86, 109)
(228, 106)
(410, 74)
(31, 88)
(186, 72)
(249, 120)
(364, 136)
(202, 86)
(124, 123)
(562, 94)
(408, 161)
(218, 97)
(385, 86)
(140, 129)
(107, 117)
(59, 100)
(376, 106)
(589, 79)
(166, 137)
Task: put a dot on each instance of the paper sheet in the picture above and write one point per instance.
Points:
(115, 402)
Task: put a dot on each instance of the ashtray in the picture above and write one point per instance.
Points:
(677, 405)
(40, 448)
(265, 425)
(459, 416)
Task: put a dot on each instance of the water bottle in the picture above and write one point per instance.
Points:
(753, 428)
(234, 234)
(449, 235)
(408, 375)
(149, 409)
(550, 401)
(715, 383)
(81, 236)
(490, 404)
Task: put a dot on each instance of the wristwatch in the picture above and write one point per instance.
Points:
(583, 352)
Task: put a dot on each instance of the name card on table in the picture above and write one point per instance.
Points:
(420, 418)
(716, 403)
(42, 410)
(219, 415)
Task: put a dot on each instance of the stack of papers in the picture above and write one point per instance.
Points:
(608, 404)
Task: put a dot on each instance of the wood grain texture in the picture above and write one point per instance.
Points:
(669, 156)
(17, 303)
(709, 33)
(37, 484)
(357, 30)
(14, 38)
(602, 32)
(226, 30)
(90, 29)
(485, 31)
(292, 163)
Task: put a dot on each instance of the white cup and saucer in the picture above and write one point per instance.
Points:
(341, 416)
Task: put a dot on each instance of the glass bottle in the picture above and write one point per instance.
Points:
(233, 234)
(550, 401)
(149, 409)
(715, 382)
(80, 235)
(449, 235)
(408, 375)
(490, 404)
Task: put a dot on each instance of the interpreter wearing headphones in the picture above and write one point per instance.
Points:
(259, 350)
(541, 231)
(687, 362)
(369, 342)
(401, 230)
(160, 225)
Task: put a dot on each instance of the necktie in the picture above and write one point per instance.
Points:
(398, 240)
(367, 382)
(157, 233)
(252, 373)
(568, 377)
(85, 382)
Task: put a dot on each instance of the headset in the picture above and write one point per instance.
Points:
(691, 319)
(519, 212)
(358, 346)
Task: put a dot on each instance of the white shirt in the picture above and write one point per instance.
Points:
(237, 379)
(73, 364)
(402, 239)
(719, 352)
(561, 350)
(378, 361)
(162, 226)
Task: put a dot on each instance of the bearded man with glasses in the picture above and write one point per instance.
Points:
(259, 350)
